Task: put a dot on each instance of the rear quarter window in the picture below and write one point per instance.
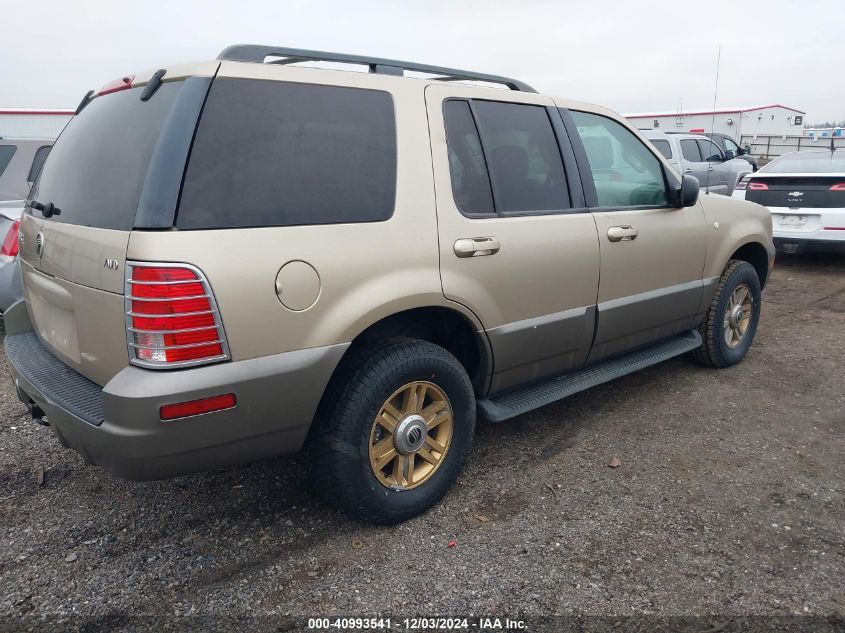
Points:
(271, 153)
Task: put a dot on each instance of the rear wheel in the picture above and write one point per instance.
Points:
(394, 430)
(731, 322)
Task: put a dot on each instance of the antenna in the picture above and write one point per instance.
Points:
(713, 116)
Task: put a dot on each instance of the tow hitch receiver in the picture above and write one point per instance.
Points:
(35, 411)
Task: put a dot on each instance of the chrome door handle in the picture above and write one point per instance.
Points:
(688, 170)
(711, 169)
(476, 246)
(625, 232)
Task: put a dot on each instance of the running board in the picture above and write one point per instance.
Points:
(511, 404)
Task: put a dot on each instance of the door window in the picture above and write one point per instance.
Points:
(625, 172)
(709, 151)
(731, 146)
(663, 147)
(523, 157)
(470, 180)
(690, 150)
(504, 159)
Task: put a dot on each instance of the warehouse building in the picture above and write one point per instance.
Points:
(32, 123)
(751, 121)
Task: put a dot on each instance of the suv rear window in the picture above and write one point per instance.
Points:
(97, 167)
(271, 153)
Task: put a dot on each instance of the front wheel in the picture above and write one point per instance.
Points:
(394, 430)
(731, 322)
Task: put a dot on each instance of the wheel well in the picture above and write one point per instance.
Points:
(755, 254)
(441, 326)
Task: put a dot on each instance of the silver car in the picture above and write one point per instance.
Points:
(20, 162)
(10, 273)
(697, 155)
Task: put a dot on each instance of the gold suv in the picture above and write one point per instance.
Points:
(237, 259)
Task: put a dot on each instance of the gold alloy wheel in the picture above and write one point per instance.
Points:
(411, 435)
(738, 315)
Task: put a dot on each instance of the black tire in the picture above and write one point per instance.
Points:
(714, 350)
(339, 448)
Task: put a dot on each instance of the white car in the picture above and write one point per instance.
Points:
(805, 191)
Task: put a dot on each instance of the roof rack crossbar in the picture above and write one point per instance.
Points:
(258, 53)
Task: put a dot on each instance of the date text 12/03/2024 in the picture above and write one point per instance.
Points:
(417, 624)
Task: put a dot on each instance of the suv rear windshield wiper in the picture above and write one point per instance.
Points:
(48, 209)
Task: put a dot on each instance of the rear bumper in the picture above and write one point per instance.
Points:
(823, 225)
(820, 237)
(277, 397)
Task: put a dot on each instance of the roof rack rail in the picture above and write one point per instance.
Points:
(258, 53)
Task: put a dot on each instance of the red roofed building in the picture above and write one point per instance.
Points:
(770, 120)
(32, 123)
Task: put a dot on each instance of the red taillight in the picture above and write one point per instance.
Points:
(10, 242)
(196, 407)
(840, 186)
(124, 83)
(172, 317)
(758, 186)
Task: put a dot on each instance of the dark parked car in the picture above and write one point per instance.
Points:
(727, 144)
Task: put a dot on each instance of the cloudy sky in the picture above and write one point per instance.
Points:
(633, 56)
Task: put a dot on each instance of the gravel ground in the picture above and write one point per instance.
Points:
(729, 502)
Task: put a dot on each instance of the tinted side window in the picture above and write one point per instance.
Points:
(470, 180)
(625, 172)
(689, 148)
(523, 157)
(663, 147)
(709, 151)
(6, 153)
(37, 162)
(271, 153)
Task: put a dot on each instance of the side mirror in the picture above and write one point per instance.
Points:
(741, 152)
(686, 195)
(729, 154)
